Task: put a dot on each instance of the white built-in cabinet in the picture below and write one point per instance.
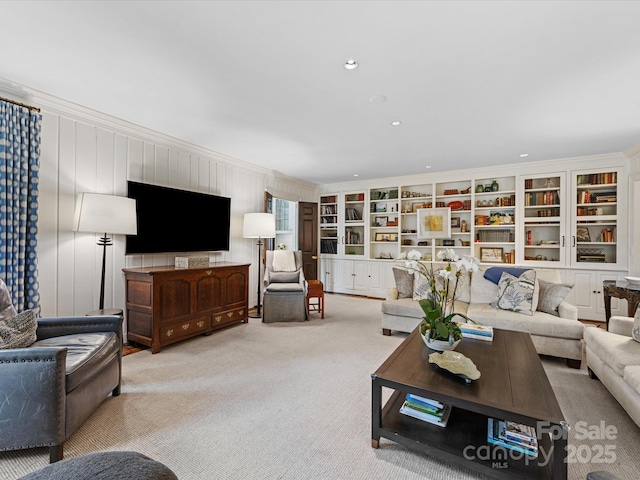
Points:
(572, 218)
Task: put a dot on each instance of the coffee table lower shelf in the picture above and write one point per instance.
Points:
(462, 442)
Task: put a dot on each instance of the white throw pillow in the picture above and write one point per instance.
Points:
(516, 294)
(635, 331)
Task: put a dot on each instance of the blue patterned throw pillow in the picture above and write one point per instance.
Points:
(635, 332)
(516, 293)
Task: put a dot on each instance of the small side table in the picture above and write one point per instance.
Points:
(315, 290)
(620, 289)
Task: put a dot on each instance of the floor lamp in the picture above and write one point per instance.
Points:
(259, 225)
(99, 213)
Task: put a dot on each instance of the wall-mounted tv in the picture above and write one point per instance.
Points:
(171, 220)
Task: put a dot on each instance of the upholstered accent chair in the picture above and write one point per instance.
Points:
(49, 388)
(285, 288)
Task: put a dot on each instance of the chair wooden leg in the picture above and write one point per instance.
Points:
(116, 391)
(55, 453)
(386, 331)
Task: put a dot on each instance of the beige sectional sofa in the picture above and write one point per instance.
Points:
(614, 357)
(558, 336)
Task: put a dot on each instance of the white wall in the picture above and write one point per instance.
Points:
(634, 206)
(85, 151)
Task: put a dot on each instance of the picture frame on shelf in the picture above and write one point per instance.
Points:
(434, 222)
(386, 237)
(455, 222)
(582, 234)
(380, 221)
(380, 208)
(416, 206)
(491, 255)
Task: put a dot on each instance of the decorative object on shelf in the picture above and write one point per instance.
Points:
(455, 205)
(466, 190)
(487, 188)
(97, 213)
(456, 363)
(548, 183)
(438, 304)
(464, 227)
(259, 225)
(448, 242)
(479, 188)
(281, 246)
(455, 222)
(453, 191)
(491, 255)
(465, 243)
(495, 186)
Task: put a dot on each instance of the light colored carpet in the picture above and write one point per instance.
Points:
(291, 401)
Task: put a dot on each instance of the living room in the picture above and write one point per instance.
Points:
(86, 148)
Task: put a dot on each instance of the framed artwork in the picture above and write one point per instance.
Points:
(455, 222)
(380, 207)
(434, 222)
(380, 221)
(416, 206)
(491, 255)
(582, 234)
(386, 237)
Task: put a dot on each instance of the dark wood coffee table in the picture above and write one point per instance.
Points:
(513, 386)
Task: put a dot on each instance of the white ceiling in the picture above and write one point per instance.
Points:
(474, 83)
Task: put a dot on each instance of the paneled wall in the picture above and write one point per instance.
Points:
(85, 151)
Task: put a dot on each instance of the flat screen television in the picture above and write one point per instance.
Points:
(171, 220)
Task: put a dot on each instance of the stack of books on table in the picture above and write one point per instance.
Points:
(514, 436)
(479, 332)
(426, 409)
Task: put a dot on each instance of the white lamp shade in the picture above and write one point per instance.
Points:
(105, 214)
(259, 225)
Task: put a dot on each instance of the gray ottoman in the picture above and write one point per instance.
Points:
(104, 466)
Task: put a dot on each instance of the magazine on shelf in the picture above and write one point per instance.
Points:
(518, 432)
(495, 427)
(439, 419)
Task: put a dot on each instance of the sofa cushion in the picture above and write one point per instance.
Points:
(86, 353)
(551, 296)
(631, 376)
(540, 323)
(421, 287)
(18, 331)
(516, 293)
(482, 290)
(6, 305)
(616, 351)
(404, 282)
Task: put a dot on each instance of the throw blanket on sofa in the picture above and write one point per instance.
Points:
(284, 261)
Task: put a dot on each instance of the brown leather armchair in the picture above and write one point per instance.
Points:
(50, 388)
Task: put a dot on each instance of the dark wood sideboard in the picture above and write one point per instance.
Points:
(168, 304)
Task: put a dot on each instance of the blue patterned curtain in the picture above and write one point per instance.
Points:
(19, 165)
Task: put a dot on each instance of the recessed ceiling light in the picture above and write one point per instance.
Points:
(395, 123)
(428, 166)
(378, 99)
(524, 155)
(350, 64)
(355, 174)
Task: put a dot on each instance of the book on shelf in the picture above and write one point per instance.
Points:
(479, 332)
(496, 435)
(441, 418)
(418, 399)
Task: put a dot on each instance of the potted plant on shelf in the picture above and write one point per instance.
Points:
(438, 329)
